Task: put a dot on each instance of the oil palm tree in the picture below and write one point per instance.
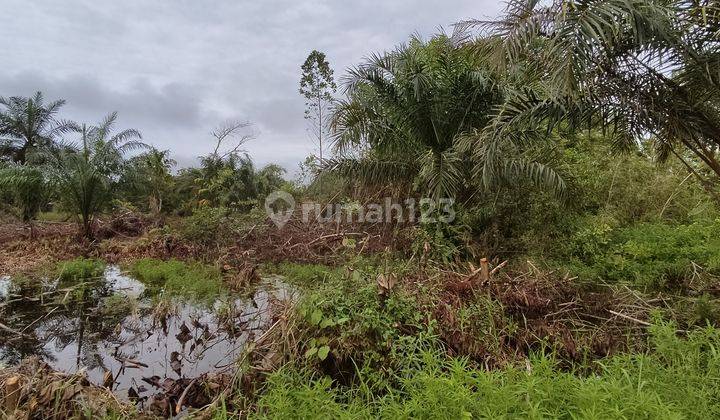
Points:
(408, 112)
(107, 150)
(85, 176)
(28, 123)
(28, 188)
(637, 69)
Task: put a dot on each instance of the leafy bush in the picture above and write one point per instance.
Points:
(441, 242)
(614, 190)
(204, 225)
(344, 315)
(211, 227)
(80, 269)
(177, 277)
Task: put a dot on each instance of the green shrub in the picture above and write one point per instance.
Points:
(343, 314)
(439, 242)
(204, 225)
(80, 269)
(356, 321)
(177, 277)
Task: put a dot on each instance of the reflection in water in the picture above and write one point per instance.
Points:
(5, 284)
(111, 327)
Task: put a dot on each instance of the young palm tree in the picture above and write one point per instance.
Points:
(408, 112)
(28, 188)
(106, 149)
(85, 176)
(28, 123)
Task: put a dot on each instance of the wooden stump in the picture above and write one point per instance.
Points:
(484, 271)
(12, 393)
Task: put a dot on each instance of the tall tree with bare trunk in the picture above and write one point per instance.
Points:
(318, 87)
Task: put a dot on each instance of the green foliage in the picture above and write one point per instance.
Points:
(232, 182)
(342, 310)
(27, 124)
(633, 67)
(83, 190)
(648, 255)
(147, 182)
(439, 242)
(192, 280)
(205, 225)
(28, 189)
(613, 190)
(80, 269)
(409, 115)
(678, 379)
(85, 178)
(317, 80)
(305, 275)
(300, 395)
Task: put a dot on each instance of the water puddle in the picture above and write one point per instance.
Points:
(118, 334)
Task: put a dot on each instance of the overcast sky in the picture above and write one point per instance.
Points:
(174, 69)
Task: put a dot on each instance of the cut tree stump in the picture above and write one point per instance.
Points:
(484, 271)
(12, 393)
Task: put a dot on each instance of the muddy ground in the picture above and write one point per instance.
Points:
(126, 239)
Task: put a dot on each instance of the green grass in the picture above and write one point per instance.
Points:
(680, 378)
(80, 269)
(303, 275)
(175, 277)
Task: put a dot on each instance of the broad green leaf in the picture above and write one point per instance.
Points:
(323, 352)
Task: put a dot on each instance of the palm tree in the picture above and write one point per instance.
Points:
(637, 69)
(407, 115)
(85, 176)
(28, 123)
(28, 188)
(108, 150)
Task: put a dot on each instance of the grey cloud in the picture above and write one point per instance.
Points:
(174, 69)
(174, 104)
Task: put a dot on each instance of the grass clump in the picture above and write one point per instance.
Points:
(80, 269)
(304, 275)
(180, 278)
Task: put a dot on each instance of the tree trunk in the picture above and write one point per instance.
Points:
(320, 133)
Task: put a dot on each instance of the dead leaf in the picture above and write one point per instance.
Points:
(175, 362)
(386, 283)
(184, 335)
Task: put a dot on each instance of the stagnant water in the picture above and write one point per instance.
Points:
(112, 324)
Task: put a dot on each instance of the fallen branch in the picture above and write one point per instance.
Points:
(498, 268)
(47, 314)
(181, 400)
(629, 318)
(12, 331)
